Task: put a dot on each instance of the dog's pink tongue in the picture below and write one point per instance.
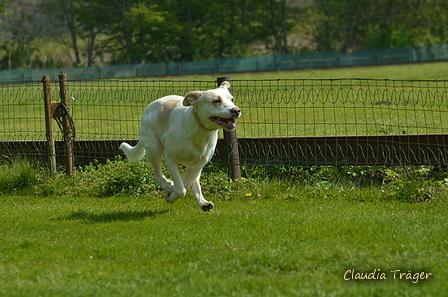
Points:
(225, 123)
(231, 123)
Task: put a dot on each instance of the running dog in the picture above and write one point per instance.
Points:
(185, 131)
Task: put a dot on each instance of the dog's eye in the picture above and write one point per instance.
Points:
(217, 100)
(233, 100)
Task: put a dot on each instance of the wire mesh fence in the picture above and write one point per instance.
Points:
(287, 122)
(21, 112)
(343, 122)
(113, 109)
(341, 107)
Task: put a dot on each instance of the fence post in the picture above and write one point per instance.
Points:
(49, 123)
(66, 126)
(232, 151)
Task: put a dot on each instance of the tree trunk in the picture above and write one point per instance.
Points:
(274, 29)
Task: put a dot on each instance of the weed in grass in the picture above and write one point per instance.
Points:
(18, 175)
(410, 184)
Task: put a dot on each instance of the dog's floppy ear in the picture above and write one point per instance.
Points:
(225, 84)
(191, 98)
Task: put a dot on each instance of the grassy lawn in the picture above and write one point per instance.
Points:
(294, 245)
(108, 232)
(431, 71)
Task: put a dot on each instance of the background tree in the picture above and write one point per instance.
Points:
(350, 25)
(138, 31)
(150, 35)
(21, 30)
(188, 30)
(76, 25)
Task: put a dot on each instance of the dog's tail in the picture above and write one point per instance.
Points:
(133, 153)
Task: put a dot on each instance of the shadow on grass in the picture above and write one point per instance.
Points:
(131, 215)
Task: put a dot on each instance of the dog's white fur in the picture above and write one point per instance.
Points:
(185, 131)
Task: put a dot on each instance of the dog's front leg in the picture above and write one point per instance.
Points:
(197, 192)
(179, 190)
(191, 178)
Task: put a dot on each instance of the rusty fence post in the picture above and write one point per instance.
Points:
(49, 123)
(232, 151)
(66, 127)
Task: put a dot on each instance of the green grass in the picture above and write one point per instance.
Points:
(294, 246)
(277, 232)
(430, 71)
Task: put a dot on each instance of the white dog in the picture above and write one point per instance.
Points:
(185, 131)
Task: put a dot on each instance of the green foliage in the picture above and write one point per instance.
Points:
(18, 46)
(404, 184)
(351, 25)
(19, 175)
(122, 178)
(165, 31)
(413, 184)
(189, 30)
(117, 178)
(152, 35)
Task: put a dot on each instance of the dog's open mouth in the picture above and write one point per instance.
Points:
(228, 124)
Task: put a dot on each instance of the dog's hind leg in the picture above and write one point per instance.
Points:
(155, 158)
(191, 179)
(179, 190)
(154, 152)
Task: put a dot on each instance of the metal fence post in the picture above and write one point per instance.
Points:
(68, 137)
(232, 151)
(49, 123)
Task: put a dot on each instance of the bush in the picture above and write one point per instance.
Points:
(18, 175)
(117, 178)
(412, 184)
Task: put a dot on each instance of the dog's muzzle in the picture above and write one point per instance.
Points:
(228, 123)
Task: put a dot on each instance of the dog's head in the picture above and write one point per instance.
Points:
(215, 108)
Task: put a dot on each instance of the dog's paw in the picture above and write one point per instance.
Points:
(173, 196)
(168, 187)
(169, 198)
(208, 206)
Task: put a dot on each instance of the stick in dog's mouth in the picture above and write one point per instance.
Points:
(228, 124)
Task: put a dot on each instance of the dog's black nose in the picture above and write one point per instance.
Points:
(236, 112)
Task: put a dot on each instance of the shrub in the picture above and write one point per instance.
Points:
(18, 175)
(411, 184)
(117, 178)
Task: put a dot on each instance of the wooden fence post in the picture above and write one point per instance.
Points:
(67, 130)
(232, 151)
(49, 123)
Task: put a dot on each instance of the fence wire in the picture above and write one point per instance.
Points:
(290, 122)
(113, 109)
(340, 107)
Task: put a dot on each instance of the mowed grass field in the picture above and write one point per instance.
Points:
(307, 232)
(295, 244)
